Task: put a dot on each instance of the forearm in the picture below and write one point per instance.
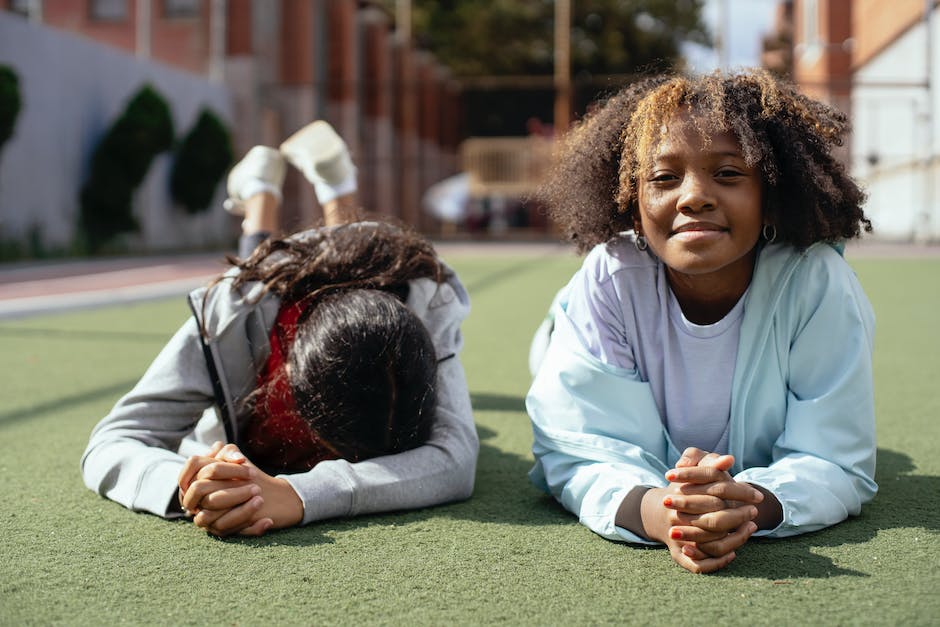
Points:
(131, 455)
(630, 513)
(137, 476)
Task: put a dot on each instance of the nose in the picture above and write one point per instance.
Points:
(695, 194)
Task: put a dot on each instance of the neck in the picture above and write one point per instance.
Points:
(707, 298)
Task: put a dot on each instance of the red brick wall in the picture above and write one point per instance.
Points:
(297, 42)
(824, 71)
(74, 15)
(182, 42)
(876, 23)
(238, 33)
(342, 49)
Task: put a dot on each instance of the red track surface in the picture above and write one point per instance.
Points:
(40, 287)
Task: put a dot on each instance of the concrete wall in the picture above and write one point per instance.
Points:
(72, 90)
(893, 153)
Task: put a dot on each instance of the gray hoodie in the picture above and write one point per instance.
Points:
(136, 452)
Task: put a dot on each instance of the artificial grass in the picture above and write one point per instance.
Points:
(509, 554)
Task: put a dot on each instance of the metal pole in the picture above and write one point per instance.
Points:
(403, 20)
(143, 29)
(217, 35)
(724, 32)
(562, 66)
(924, 232)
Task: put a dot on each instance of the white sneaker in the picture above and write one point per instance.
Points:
(323, 157)
(262, 169)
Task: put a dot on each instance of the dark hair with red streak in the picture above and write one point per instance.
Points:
(360, 366)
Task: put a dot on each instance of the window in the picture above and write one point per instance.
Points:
(180, 8)
(23, 7)
(109, 10)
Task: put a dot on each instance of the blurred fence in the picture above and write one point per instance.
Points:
(505, 166)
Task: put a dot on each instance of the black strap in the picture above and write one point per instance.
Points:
(214, 378)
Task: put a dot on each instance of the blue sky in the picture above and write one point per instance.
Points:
(747, 21)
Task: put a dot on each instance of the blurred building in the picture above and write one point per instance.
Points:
(877, 60)
(267, 66)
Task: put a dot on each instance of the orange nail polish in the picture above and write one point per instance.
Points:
(675, 534)
(667, 501)
(671, 475)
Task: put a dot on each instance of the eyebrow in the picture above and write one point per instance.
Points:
(724, 153)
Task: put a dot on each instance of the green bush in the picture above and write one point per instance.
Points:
(120, 163)
(202, 160)
(9, 102)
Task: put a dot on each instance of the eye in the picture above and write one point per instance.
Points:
(728, 173)
(663, 177)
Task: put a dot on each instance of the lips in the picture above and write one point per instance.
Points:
(697, 226)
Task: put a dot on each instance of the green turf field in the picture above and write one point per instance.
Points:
(507, 555)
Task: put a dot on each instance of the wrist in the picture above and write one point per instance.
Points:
(653, 514)
(290, 507)
(769, 511)
(628, 514)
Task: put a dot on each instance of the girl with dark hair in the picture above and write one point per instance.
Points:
(326, 360)
(709, 374)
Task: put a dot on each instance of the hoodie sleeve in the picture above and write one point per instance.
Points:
(440, 471)
(597, 432)
(131, 456)
(823, 464)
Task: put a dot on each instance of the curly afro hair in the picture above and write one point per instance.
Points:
(788, 137)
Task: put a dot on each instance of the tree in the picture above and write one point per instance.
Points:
(500, 37)
(201, 161)
(10, 102)
(611, 40)
(120, 163)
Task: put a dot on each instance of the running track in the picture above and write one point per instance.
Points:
(32, 288)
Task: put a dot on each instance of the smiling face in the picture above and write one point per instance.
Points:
(699, 208)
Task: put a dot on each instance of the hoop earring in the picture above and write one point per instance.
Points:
(769, 232)
(640, 242)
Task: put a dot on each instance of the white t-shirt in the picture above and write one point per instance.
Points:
(627, 316)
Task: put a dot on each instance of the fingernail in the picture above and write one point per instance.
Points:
(759, 496)
(257, 501)
(688, 551)
(667, 501)
(671, 475)
(255, 490)
(684, 460)
(675, 534)
(753, 512)
(752, 528)
(234, 456)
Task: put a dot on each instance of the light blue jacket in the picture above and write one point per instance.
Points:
(802, 421)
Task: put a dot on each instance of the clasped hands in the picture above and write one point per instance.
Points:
(704, 515)
(227, 494)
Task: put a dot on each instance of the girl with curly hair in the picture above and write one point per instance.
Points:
(709, 375)
(327, 362)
